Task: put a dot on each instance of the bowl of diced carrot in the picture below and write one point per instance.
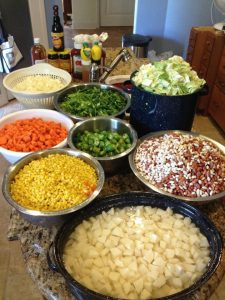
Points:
(27, 131)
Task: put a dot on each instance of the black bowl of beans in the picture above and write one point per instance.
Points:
(83, 101)
(181, 164)
(48, 186)
(109, 140)
(136, 246)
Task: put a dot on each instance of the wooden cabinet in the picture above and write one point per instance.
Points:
(217, 100)
(204, 53)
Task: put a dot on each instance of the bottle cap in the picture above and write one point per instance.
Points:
(36, 40)
(77, 46)
(85, 44)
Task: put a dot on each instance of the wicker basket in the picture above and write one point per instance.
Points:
(36, 99)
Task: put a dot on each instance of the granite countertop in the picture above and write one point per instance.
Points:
(35, 240)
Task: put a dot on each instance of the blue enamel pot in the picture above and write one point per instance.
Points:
(151, 112)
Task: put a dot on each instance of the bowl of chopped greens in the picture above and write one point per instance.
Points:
(164, 96)
(83, 101)
(110, 140)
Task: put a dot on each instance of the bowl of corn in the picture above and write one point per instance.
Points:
(29, 130)
(47, 186)
(110, 140)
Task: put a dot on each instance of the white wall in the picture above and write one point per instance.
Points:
(85, 14)
(169, 22)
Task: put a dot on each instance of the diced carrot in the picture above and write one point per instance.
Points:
(3, 140)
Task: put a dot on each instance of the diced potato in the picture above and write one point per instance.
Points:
(127, 287)
(115, 252)
(138, 284)
(137, 253)
(117, 232)
(159, 282)
(114, 276)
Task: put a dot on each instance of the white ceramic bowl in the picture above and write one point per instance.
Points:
(46, 115)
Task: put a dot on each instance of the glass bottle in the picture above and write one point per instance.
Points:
(38, 52)
(64, 60)
(96, 53)
(86, 61)
(76, 61)
(53, 58)
(57, 31)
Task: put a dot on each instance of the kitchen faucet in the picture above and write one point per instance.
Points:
(123, 55)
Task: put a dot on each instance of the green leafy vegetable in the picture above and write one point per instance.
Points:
(93, 101)
(171, 77)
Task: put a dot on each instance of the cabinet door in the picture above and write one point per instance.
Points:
(217, 107)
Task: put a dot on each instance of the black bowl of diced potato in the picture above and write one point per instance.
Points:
(48, 186)
(136, 246)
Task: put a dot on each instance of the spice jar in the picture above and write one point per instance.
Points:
(64, 60)
(53, 58)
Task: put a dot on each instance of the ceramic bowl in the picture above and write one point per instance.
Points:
(44, 114)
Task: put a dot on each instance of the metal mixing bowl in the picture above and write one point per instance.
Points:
(114, 163)
(196, 200)
(54, 217)
(60, 98)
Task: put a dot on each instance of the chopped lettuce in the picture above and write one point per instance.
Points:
(171, 77)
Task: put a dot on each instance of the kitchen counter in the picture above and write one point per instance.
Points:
(35, 240)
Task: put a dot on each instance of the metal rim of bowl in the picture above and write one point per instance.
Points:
(109, 158)
(181, 207)
(156, 189)
(43, 153)
(83, 85)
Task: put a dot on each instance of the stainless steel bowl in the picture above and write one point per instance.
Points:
(196, 200)
(60, 97)
(56, 217)
(114, 163)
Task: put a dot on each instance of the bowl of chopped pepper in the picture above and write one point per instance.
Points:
(48, 186)
(109, 140)
(83, 101)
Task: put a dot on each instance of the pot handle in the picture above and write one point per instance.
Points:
(204, 90)
(51, 259)
(127, 86)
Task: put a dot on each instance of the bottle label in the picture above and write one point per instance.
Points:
(57, 41)
(77, 65)
(39, 61)
(65, 65)
(57, 34)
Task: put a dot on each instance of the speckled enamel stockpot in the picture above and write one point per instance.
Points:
(151, 112)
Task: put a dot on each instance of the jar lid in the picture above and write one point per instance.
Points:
(52, 52)
(64, 53)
